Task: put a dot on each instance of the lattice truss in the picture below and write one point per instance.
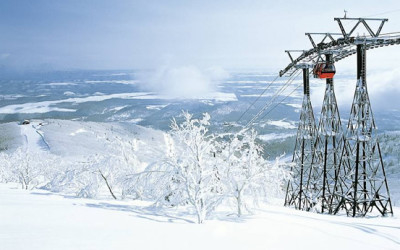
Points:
(327, 153)
(296, 194)
(344, 43)
(332, 170)
(362, 183)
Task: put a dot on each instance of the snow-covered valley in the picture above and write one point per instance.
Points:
(92, 170)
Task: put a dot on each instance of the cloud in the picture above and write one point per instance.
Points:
(344, 91)
(383, 90)
(183, 81)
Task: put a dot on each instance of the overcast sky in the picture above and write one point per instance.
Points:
(135, 34)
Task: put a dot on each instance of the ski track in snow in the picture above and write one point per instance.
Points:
(34, 139)
(42, 220)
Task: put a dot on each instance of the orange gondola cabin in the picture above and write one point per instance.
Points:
(324, 70)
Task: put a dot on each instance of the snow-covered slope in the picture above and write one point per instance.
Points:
(10, 136)
(39, 220)
(78, 139)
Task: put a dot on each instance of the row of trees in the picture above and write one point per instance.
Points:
(200, 169)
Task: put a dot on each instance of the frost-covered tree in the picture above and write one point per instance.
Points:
(247, 174)
(111, 171)
(195, 165)
(96, 173)
(189, 174)
(29, 168)
(5, 168)
(118, 166)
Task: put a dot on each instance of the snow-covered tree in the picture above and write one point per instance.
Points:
(195, 165)
(5, 168)
(189, 174)
(29, 168)
(96, 173)
(247, 174)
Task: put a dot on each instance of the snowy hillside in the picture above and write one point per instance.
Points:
(100, 167)
(65, 219)
(39, 220)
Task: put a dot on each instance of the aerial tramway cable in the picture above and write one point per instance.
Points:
(252, 104)
(266, 106)
(280, 91)
(298, 86)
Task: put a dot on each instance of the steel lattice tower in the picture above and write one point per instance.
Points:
(361, 171)
(303, 153)
(359, 178)
(328, 147)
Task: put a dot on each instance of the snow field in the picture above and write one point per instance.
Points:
(42, 220)
(49, 106)
(38, 219)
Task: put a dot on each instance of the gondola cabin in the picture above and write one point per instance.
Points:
(324, 71)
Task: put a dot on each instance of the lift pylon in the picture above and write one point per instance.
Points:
(328, 147)
(361, 172)
(303, 153)
(360, 181)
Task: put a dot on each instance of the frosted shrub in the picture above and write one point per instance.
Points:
(5, 168)
(199, 170)
(189, 174)
(202, 169)
(248, 176)
(30, 169)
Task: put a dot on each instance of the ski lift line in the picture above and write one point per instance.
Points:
(251, 122)
(384, 13)
(277, 93)
(390, 33)
(284, 97)
(283, 88)
(354, 20)
(376, 14)
(272, 100)
(274, 96)
(298, 86)
(252, 104)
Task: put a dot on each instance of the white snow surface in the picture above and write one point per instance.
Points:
(59, 84)
(40, 220)
(48, 106)
(33, 138)
(275, 136)
(77, 140)
(282, 124)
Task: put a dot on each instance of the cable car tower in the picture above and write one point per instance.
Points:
(296, 194)
(334, 170)
(328, 145)
(361, 171)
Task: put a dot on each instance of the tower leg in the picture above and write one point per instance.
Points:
(303, 153)
(327, 150)
(364, 179)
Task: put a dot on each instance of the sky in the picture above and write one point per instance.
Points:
(122, 34)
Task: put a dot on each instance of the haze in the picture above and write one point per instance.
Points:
(74, 34)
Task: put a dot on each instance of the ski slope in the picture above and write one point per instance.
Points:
(33, 137)
(40, 220)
